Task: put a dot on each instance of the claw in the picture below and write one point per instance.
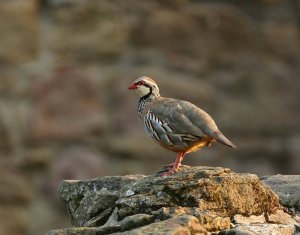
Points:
(170, 166)
(170, 172)
(175, 165)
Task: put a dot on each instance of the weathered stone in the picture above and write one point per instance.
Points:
(213, 223)
(215, 189)
(237, 232)
(297, 219)
(287, 187)
(179, 225)
(113, 219)
(209, 220)
(169, 212)
(211, 195)
(74, 231)
(239, 219)
(99, 219)
(100, 207)
(265, 229)
(280, 217)
(135, 221)
(75, 193)
(184, 224)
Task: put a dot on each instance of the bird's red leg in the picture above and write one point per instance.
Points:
(170, 166)
(175, 165)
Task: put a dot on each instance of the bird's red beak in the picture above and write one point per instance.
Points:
(132, 86)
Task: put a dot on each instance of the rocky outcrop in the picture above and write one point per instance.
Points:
(197, 200)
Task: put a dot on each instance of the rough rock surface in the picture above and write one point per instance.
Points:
(288, 189)
(197, 200)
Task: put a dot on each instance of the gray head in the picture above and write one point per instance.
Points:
(145, 87)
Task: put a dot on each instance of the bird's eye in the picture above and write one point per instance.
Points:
(140, 83)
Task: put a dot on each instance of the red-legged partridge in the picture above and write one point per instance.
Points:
(177, 125)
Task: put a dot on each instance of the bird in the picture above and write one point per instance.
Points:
(176, 125)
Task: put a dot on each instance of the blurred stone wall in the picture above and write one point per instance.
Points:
(65, 111)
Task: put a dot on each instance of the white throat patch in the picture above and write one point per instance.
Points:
(142, 91)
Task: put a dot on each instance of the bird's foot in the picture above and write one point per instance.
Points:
(170, 166)
(170, 172)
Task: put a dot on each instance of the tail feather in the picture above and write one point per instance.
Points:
(222, 139)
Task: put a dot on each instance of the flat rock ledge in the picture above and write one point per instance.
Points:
(197, 200)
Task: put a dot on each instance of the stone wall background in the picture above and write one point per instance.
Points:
(65, 112)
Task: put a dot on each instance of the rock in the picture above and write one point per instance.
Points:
(185, 224)
(214, 189)
(279, 217)
(212, 222)
(195, 200)
(265, 229)
(239, 219)
(237, 232)
(75, 193)
(137, 220)
(100, 207)
(74, 231)
(287, 188)
(256, 224)
(209, 220)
